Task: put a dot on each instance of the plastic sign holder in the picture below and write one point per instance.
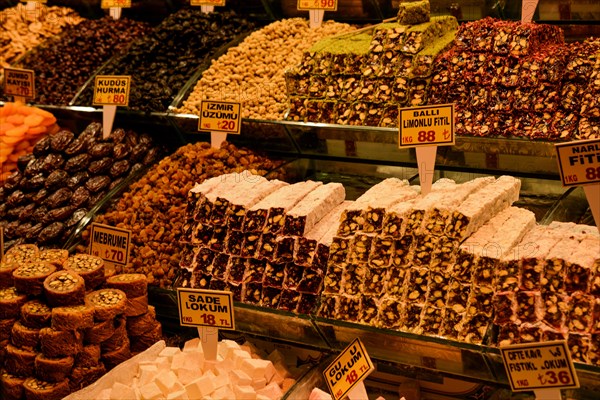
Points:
(316, 10)
(220, 118)
(528, 9)
(579, 165)
(209, 311)
(544, 367)
(345, 375)
(19, 83)
(115, 7)
(110, 244)
(111, 91)
(425, 128)
(207, 6)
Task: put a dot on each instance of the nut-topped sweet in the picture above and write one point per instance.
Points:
(72, 317)
(21, 254)
(90, 268)
(64, 288)
(36, 389)
(11, 302)
(29, 278)
(35, 314)
(133, 285)
(107, 303)
(55, 257)
(6, 270)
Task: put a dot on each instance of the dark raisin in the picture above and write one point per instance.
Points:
(24, 160)
(118, 135)
(27, 212)
(97, 183)
(79, 162)
(42, 147)
(101, 150)
(80, 196)
(78, 179)
(76, 217)
(40, 196)
(61, 140)
(100, 166)
(34, 167)
(34, 231)
(17, 197)
(33, 183)
(60, 214)
(39, 214)
(120, 151)
(51, 232)
(57, 179)
(119, 168)
(77, 146)
(58, 198)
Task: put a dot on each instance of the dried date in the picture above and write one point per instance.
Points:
(60, 214)
(13, 212)
(78, 163)
(121, 151)
(39, 213)
(51, 232)
(40, 196)
(78, 179)
(138, 152)
(94, 199)
(60, 141)
(150, 156)
(14, 179)
(101, 150)
(51, 162)
(42, 147)
(34, 182)
(115, 183)
(119, 168)
(22, 230)
(17, 197)
(56, 179)
(58, 198)
(24, 160)
(118, 135)
(27, 212)
(77, 146)
(76, 217)
(97, 183)
(100, 166)
(80, 196)
(34, 231)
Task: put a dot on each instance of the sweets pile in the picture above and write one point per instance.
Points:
(64, 323)
(66, 175)
(362, 78)
(253, 71)
(153, 206)
(450, 263)
(240, 372)
(21, 127)
(513, 79)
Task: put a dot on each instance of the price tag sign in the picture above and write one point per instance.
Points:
(326, 5)
(115, 3)
(19, 82)
(111, 90)
(34, 1)
(426, 126)
(579, 162)
(212, 308)
(528, 9)
(220, 116)
(350, 368)
(218, 3)
(110, 244)
(535, 366)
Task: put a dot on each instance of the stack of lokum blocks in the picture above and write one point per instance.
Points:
(243, 234)
(362, 79)
(513, 79)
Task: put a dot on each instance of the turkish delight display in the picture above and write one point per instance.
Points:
(362, 78)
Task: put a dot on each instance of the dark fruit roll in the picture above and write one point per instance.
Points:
(11, 302)
(35, 314)
(107, 303)
(29, 278)
(72, 317)
(53, 369)
(134, 285)
(36, 389)
(64, 288)
(90, 268)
